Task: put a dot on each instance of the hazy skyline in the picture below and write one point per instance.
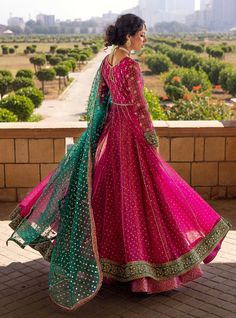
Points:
(64, 9)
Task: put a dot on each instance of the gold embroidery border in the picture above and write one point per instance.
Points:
(139, 269)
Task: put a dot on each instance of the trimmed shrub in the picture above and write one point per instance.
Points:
(215, 51)
(38, 61)
(21, 106)
(192, 78)
(53, 49)
(95, 48)
(6, 73)
(193, 47)
(82, 57)
(54, 60)
(32, 93)
(213, 68)
(231, 83)
(25, 73)
(7, 116)
(199, 108)
(11, 50)
(154, 106)
(5, 84)
(46, 75)
(73, 63)
(182, 81)
(20, 82)
(5, 49)
(158, 63)
(225, 73)
(62, 70)
(63, 51)
(175, 92)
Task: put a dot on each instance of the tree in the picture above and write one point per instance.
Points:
(6, 73)
(53, 49)
(11, 50)
(45, 75)
(16, 47)
(158, 63)
(82, 58)
(38, 61)
(61, 71)
(32, 93)
(54, 60)
(5, 49)
(20, 82)
(7, 116)
(24, 73)
(21, 106)
(5, 84)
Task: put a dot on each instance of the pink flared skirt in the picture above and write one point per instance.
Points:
(153, 230)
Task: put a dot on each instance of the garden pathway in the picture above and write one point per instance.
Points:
(72, 103)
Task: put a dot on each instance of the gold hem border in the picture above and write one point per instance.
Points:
(139, 269)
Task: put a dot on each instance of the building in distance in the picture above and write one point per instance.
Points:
(16, 22)
(46, 19)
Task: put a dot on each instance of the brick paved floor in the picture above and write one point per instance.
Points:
(23, 285)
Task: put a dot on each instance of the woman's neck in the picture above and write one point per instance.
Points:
(124, 49)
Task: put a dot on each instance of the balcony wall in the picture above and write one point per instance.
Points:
(202, 152)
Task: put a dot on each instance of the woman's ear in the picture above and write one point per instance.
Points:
(128, 37)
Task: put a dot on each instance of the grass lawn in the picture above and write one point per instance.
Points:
(19, 61)
(41, 47)
(15, 62)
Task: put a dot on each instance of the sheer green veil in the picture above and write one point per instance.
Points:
(60, 223)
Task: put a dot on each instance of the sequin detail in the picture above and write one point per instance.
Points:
(138, 269)
(112, 197)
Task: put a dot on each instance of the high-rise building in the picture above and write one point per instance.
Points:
(159, 5)
(185, 5)
(205, 4)
(224, 12)
(154, 11)
(16, 22)
(180, 5)
(46, 19)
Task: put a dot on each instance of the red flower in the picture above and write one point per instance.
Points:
(187, 96)
(176, 79)
(196, 88)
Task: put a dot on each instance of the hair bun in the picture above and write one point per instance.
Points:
(111, 35)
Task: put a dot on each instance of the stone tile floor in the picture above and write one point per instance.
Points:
(24, 290)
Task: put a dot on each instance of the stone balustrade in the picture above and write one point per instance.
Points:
(202, 152)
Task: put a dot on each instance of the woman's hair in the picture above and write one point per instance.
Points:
(127, 24)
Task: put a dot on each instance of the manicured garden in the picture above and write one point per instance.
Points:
(47, 75)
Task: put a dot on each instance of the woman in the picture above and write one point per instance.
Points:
(114, 210)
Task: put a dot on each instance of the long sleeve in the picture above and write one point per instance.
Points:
(135, 84)
(102, 89)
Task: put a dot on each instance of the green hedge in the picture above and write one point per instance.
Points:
(21, 106)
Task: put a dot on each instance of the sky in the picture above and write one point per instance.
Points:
(63, 9)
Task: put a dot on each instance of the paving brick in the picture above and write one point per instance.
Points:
(24, 289)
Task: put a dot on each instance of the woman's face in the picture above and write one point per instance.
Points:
(138, 40)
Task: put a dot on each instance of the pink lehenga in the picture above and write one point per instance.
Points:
(144, 224)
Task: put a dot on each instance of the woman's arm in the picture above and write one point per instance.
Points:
(135, 85)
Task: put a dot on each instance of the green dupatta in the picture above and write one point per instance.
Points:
(63, 211)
